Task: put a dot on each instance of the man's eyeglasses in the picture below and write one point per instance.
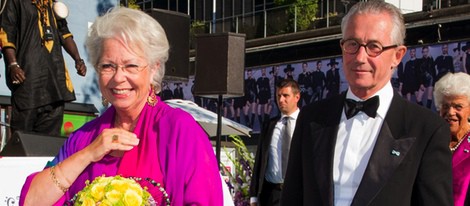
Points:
(373, 49)
(110, 69)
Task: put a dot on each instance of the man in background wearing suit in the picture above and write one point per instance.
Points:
(383, 151)
(332, 81)
(444, 62)
(318, 82)
(273, 148)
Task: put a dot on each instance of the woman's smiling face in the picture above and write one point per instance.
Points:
(123, 89)
(456, 111)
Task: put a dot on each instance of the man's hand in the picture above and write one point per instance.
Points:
(17, 74)
(81, 67)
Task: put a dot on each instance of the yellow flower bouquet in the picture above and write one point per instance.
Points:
(117, 190)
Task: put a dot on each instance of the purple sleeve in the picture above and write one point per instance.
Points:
(188, 161)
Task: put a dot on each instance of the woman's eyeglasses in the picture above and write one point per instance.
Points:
(110, 69)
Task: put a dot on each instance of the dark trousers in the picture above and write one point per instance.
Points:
(270, 194)
(45, 119)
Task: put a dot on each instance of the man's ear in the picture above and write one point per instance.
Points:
(399, 54)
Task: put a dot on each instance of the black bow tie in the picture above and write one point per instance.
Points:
(352, 107)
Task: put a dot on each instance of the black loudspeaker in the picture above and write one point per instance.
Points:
(176, 26)
(220, 64)
(32, 144)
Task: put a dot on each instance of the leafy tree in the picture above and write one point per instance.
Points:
(131, 4)
(304, 10)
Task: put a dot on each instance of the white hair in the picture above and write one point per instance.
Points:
(376, 7)
(137, 31)
(451, 85)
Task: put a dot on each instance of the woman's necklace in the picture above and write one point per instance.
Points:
(452, 149)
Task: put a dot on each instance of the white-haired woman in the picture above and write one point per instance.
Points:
(452, 98)
(139, 136)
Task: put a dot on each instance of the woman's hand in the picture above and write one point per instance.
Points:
(111, 140)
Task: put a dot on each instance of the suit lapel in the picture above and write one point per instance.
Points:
(269, 135)
(323, 161)
(389, 151)
(266, 142)
(325, 131)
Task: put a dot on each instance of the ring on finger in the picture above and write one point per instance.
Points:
(16, 82)
(115, 138)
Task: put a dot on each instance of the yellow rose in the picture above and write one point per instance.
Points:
(136, 188)
(131, 198)
(97, 191)
(119, 185)
(106, 203)
(113, 196)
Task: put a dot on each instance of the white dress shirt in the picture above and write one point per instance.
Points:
(274, 166)
(354, 144)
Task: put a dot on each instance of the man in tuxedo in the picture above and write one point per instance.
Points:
(383, 151)
(273, 148)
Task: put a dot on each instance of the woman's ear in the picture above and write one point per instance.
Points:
(153, 69)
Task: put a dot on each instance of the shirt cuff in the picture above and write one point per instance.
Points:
(253, 200)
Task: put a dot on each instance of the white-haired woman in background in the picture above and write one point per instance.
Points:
(452, 98)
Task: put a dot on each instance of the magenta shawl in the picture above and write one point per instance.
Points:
(186, 159)
(461, 172)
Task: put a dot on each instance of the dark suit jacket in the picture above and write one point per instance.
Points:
(261, 159)
(419, 175)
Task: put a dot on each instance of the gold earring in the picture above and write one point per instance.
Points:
(152, 98)
(104, 101)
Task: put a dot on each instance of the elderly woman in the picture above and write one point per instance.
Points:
(452, 97)
(139, 136)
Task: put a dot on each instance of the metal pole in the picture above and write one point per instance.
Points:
(219, 129)
(236, 25)
(265, 22)
(213, 15)
(295, 19)
(327, 14)
(265, 18)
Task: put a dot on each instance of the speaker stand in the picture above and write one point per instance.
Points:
(219, 129)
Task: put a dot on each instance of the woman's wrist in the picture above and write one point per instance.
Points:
(56, 180)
